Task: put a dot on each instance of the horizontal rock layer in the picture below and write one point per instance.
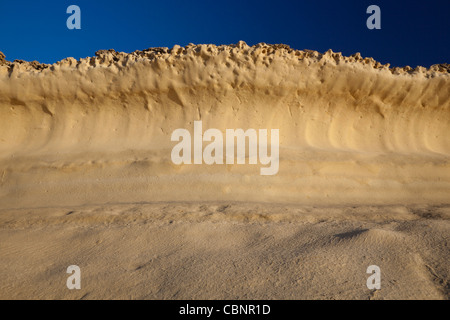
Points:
(98, 130)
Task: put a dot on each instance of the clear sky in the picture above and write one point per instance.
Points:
(412, 32)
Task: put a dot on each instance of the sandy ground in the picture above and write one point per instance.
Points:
(225, 251)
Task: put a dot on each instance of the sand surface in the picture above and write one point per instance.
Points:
(86, 177)
(225, 251)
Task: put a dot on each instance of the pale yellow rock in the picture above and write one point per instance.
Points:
(86, 176)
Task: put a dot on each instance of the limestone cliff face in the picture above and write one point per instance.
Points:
(97, 130)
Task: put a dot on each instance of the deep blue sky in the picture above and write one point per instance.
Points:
(413, 32)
